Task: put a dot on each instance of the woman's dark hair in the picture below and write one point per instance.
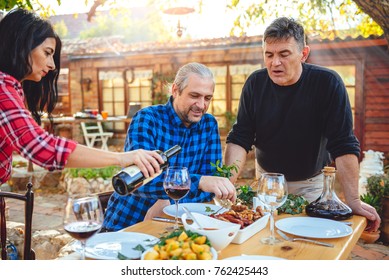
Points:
(285, 28)
(21, 31)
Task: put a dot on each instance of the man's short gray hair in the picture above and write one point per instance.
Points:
(181, 79)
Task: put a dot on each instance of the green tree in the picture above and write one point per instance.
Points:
(371, 15)
(29, 4)
(61, 29)
(119, 22)
(324, 18)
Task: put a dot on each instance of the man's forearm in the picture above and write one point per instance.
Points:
(348, 174)
(235, 154)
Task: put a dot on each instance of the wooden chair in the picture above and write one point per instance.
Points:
(94, 133)
(28, 198)
(104, 198)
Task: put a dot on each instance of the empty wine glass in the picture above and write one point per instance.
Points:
(83, 218)
(177, 185)
(272, 192)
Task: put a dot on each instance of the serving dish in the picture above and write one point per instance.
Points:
(219, 233)
(213, 252)
(249, 231)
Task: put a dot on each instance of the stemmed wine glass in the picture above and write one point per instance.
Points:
(177, 185)
(272, 192)
(83, 218)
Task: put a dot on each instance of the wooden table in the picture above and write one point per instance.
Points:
(288, 250)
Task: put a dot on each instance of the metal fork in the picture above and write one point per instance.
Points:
(283, 235)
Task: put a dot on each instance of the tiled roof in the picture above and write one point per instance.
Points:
(115, 45)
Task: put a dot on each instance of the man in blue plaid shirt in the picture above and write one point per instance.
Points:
(181, 121)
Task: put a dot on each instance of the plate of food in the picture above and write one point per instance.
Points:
(251, 221)
(181, 245)
(201, 208)
(113, 245)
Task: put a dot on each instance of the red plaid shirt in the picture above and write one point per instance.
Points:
(19, 132)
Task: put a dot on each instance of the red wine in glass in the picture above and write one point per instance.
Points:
(83, 218)
(82, 230)
(177, 185)
(176, 193)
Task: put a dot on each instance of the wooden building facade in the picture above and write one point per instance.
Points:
(106, 75)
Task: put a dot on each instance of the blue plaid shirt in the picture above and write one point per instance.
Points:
(159, 128)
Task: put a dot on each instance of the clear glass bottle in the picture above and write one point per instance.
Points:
(131, 178)
(328, 205)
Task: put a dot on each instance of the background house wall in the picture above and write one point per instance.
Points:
(369, 55)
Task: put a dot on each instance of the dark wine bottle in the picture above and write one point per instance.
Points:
(131, 178)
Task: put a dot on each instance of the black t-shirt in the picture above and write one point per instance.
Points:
(296, 129)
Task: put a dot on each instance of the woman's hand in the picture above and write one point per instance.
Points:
(147, 161)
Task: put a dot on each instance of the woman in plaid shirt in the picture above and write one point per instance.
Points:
(29, 66)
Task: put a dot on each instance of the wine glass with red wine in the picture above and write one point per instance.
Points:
(177, 185)
(83, 218)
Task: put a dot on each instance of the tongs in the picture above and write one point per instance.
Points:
(224, 203)
(192, 217)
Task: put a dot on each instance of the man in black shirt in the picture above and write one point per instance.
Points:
(299, 119)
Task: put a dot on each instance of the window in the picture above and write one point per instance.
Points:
(139, 87)
(218, 104)
(347, 73)
(112, 96)
(239, 74)
(228, 89)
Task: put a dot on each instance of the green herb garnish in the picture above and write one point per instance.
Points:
(192, 235)
(245, 196)
(295, 204)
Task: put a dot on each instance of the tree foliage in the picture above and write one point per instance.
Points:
(120, 22)
(30, 5)
(324, 18)
(320, 17)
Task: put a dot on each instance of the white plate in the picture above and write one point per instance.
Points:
(107, 245)
(202, 208)
(253, 257)
(313, 227)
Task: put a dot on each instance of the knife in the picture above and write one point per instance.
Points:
(166, 220)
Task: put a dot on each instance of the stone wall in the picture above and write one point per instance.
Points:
(51, 244)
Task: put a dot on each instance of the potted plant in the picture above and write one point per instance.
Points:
(377, 195)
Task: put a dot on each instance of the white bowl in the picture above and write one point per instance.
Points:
(213, 251)
(218, 232)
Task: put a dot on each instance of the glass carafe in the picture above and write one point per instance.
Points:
(328, 205)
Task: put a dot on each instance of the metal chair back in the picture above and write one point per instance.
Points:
(28, 198)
